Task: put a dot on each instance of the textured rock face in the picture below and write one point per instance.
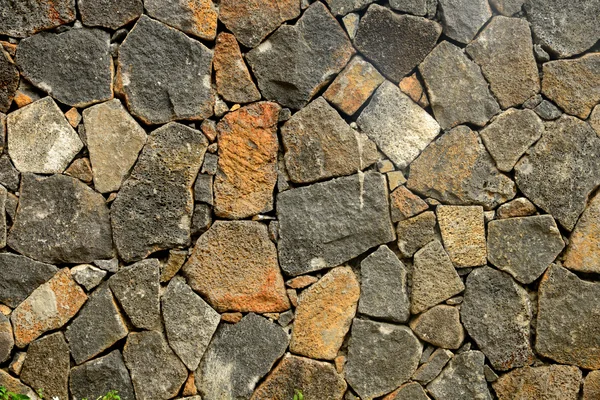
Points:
(354, 210)
(234, 266)
(591, 386)
(40, 138)
(568, 316)
(405, 204)
(7, 340)
(380, 357)
(110, 14)
(324, 315)
(408, 40)
(74, 67)
(583, 251)
(343, 7)
(416, 232)
(397, 125)
(297, 60)
(197, 18)
(19, 276)
(60, 220)
(153, 210)
(247, 172)
(560, 171)
(238, 357)
(463, 233)
(9, 77)
(462, 377)
(319, 145)
(15, 385)
(547, 382)
(155, 67)
(462, 19)
(21, 19)
(440, 326)
(101, 375)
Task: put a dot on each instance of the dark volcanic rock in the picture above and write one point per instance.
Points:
(75, 66)
(562, 169)
(298, 60)
(7, 340)
(343, 7)
(97, 377)
(381, 357)
(462, 19)
(326, 224)
(19, 276)
(23, 18)
(568, 319)
(497, 313)
(440, 326)
(111, 14)
(238, 357)
(9, 175)
(9, 81)
(164, 75)
(462, 378)
(195, 17)
(395, 43)
(60, 220)
(416, 232)
(153, 209)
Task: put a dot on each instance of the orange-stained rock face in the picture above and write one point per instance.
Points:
(405, 204)
(324, 314)
(546, 382)
(247, 170)
(234, 267)
(583, 252)
(204, 15)
(412, 87)
(49, 307)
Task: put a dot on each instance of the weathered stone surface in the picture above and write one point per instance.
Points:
(234, 82)
(189, 322)
(252, 21)
(98, 326)
(507, 7)
(415, 7)
(247, 168)
(60, 220)
(40, 139)
(594, 119)
(353, 86)
(583, 251)
(201, 219)
(547, 111)
(568, 319)
(173, 264)
(238, 357)
(96, 378)
(496, 313)
(397, 125)
(591, 386)
(432, 368)
(463, 234)
(234, 266)
(408, 391)
(195, 17)
(574, 85)
(383, 290)
(412, 87)
(74, 66)
(298, 60)
(47, 366)
(519, 207)
(545, 382)
(153, 209)
(319, 144)
(504, 50)
(462, 378)
(203, 189)
(343, 7)
(163, 74)
(137, 289)
(107, 127)
(21, 19)
(353, 217)
(524, 247)
(462, 19)
(156, 372)
(111, 14)
(49, 307)
(408, 39)
(316, 379)
(405, 204)
(20, 276)
(561, 170)
(15, 385)
(324, 314)
(351, 22)
(416, 232)
(440, 326)
(510, 135)
(456, 169)
(9, 78)
(458, 93)
(565, 28)
(434, 278)
(87, 275)
(381, 357)
(81, 169)
(7, 341)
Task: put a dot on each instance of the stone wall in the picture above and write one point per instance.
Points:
(249, 199)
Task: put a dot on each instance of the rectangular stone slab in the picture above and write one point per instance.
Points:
(326, 224)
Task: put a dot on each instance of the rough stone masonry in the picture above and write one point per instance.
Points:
(348, 199)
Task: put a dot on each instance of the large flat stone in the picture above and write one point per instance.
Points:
(462, 19)
(21, 19)
(561, 170)
(296, 61)
(399, 127)
(111, 14)
(583, 251)
(408, 39)
(462, 378)
(234, 266)
(545, 382)
(96, 378)
(327, 224)
(153, 209)
(197, 18)
(9, 76)
(164, 75)
(19, 276)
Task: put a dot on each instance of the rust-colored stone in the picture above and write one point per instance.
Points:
(49, 307)
(81, 169)
(520, 207)
(591, 386)
(247, 170)
(583, 252)
(405, 204)
(293, 296)
(547, 382)
(412, 87)
(189, 388)
(324, 314)
(73, 117)
(301, 282)
(231, 317)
